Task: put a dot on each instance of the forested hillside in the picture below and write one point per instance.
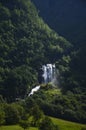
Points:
(26, 43)
(68, 18)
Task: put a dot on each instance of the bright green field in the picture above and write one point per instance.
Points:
(62, 124)
(67, 125)
(15, 127)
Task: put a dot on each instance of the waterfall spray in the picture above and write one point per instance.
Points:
(49, 73)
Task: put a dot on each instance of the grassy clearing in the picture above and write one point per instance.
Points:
(15, 127)
(62, 124)
(53, 91)
(67, 125)
(33, 128)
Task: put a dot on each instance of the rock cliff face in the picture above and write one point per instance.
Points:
(66, 17)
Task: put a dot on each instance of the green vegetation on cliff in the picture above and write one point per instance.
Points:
(26, 43)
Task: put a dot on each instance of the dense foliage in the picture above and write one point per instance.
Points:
(68, 19)
(26, 43)
(65, 17)
(18, 113)
(70, 106)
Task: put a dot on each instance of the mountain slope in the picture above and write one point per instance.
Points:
(26, 43)
(68, 18)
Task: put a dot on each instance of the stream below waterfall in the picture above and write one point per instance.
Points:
(34, 90)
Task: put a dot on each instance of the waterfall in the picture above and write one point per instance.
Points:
(34, 90)
(49, 73)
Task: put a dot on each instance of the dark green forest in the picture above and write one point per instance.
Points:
(27, 43)
(68, 18)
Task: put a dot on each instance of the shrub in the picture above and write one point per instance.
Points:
(47, 124)
(24, 124)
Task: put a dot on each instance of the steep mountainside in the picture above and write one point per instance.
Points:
(66, 17)
(26, 43)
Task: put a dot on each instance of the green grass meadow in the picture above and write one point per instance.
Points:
(15, 127)
(62, 124)
(67, 125)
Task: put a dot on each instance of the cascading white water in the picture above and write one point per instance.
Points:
(49, 73)
(34, 90)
